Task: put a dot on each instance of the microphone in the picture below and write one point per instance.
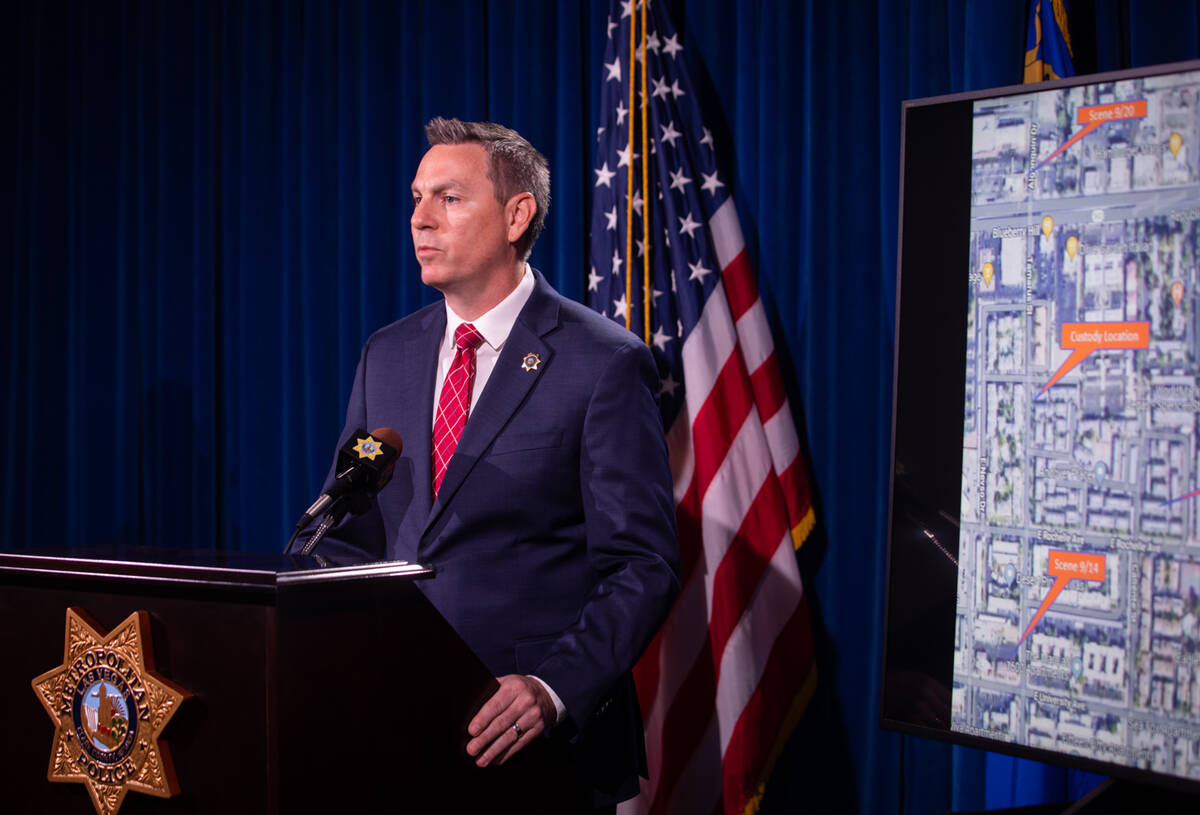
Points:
(364, 467)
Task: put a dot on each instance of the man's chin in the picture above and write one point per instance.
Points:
(432, 276)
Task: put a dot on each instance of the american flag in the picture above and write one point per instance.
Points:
(730, 672)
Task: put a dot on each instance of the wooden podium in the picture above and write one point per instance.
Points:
(313, 689)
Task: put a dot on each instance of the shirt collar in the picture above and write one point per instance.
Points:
(496, 323)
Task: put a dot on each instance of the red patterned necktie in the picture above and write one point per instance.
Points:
(455, 401)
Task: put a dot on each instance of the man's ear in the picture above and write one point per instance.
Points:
(519, 213)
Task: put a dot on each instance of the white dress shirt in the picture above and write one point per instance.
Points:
(495, 326)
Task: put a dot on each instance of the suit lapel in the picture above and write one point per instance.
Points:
(505, 392)
(420, 354)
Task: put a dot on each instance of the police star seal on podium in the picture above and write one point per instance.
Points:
(109, 709)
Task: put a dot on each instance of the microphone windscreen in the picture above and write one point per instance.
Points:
(392, 439)
(389, 437)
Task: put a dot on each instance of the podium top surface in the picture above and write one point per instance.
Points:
(234, 569)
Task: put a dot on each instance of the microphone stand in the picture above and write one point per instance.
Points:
(326, 524)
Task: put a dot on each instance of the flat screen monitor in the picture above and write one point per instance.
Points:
(1044, 551)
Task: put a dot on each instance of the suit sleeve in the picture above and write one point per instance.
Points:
(629, 514)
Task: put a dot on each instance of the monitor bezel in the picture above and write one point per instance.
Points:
(945, 734)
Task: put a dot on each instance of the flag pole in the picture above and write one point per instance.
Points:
(629, 183)
(645, 191)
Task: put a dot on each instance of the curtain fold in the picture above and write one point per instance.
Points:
(206, 213)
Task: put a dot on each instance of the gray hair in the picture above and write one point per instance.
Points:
(514, 166)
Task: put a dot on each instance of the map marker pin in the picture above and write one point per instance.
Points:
(988, 273)
(1176, 142)
(1072, 246)
(1177, 291)
(1047, 226)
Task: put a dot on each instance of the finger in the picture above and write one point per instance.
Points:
(494, 728)
(496, 704)
(532, 727)
(499, 734)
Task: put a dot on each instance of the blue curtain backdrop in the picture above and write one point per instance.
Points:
(205, 213)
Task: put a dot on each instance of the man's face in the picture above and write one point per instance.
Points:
(459, 229)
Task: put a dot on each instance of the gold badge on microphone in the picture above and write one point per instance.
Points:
(368, 448)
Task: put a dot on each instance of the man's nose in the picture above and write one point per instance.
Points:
(421, 216)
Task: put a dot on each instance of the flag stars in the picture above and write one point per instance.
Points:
(660, 339)
(637, 202)
(626, 8)
(611, 25)
(614, 70)
(620, 308)
(699, 271)
(679, 180)
(622, 112)
(661, 88)
(670, 134)
(687, 226)
(677, 91)
(616, 264)
(711, 183)
(668, 386)
(671, 45)
(623, 157)
(604, 176)
(611, 217)
(707, 138)
(594, 280)
(653, 43)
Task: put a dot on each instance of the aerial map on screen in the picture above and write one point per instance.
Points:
(1078, 624)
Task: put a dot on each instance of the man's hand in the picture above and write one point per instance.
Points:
(521, 701)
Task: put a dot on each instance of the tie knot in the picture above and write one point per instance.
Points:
(465, 336)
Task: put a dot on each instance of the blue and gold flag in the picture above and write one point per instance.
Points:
(1048, 42)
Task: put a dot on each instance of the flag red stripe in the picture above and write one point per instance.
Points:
(744, 564)
(718, 420)
(741, 288)
(684, 725)
(794, 482)
(769, 393)
(737, 578)
(648, 670)
(754, 735)
(687, 524)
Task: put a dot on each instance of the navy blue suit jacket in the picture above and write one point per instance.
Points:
(553, 533)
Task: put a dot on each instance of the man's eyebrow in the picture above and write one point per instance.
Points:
(442, 186)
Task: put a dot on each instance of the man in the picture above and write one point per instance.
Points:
(534, 475)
